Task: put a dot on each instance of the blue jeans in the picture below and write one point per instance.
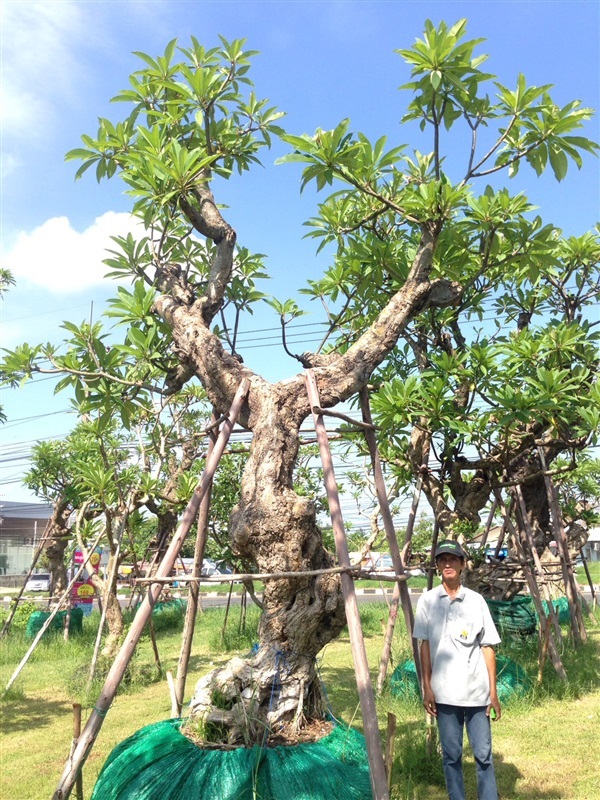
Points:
(451, 722)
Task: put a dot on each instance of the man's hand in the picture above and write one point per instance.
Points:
(490, 661)
(495, 705)
(428, 698)
(429, 702)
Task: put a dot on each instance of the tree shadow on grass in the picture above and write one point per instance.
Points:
(22, 713)
(418, 775)
(507, 775)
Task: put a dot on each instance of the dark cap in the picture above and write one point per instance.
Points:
(448, 546)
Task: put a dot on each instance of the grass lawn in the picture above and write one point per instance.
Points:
(594, 570)
(544, 744)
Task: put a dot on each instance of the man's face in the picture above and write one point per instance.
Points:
(449, 566)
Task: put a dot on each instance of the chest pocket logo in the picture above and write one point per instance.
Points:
(464, 632)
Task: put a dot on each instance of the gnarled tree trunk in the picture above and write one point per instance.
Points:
(58, 536)
(272, 527)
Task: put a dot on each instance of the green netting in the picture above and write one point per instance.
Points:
(160, 763)
(169, 606)
(38, 618)
(404, 682)
(168, 614)
(511, 679)
(516, 616)
(561, 607)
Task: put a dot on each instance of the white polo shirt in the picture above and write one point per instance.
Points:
(456, 630)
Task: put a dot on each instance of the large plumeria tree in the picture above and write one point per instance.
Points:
(405, 233)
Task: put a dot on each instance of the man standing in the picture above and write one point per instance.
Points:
(459, 671)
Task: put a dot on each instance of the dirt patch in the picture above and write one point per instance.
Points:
(286, 736)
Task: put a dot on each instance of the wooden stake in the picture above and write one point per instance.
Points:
(390, 745)
(543, 652)
(357, 642)
(76, 733)
(115, 675)
(193, 602)
(175, 711)
(400, 589)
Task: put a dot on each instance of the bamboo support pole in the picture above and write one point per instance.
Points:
(48, 622)
(500, 541)
(538, 565)
(227, 609)
(239, 577)
(571, 590)
(488, 523)
(412, 517)
(194, 591)
(589, 578)
(357, 643)
(401, 589)
(115, 675)
(431, 571)
(327, 412)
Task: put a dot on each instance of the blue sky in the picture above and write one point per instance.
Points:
(319, 62)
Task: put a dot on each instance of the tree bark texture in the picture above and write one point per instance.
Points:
(58, 535)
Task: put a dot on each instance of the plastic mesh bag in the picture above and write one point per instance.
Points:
(159, 762)
(404, 682)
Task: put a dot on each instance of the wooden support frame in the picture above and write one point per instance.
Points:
(115, 675)
(357, 643)
(545, 629)
(571, 591)
(538, 564)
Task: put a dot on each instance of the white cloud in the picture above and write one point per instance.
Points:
(38, 62)
(58, 258)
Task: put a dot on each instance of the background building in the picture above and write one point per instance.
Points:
(21, 527)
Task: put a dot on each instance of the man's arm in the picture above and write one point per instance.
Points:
(490, 661)
(428, 698)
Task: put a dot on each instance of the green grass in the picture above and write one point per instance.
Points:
(594, 569)
(543, 744)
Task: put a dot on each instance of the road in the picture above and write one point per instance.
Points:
(216, 600)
